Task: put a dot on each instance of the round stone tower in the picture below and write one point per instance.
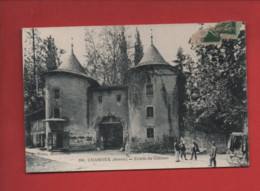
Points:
(66, 106)
(153, 100)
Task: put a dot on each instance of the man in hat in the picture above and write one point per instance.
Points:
(183, 150)
(212, 154)
(194, 150)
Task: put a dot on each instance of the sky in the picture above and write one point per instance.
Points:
(167, 38)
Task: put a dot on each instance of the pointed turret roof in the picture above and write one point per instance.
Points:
(72, 64)
(152, 56)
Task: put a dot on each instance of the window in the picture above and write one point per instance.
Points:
(56, 113)
(118, 98)
(150, 132)
(133, 92)
(56, 94)
(149, 89)
(100, 99)
(149, 111)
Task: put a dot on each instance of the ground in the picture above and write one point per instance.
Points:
(40, 164)
(45, 161)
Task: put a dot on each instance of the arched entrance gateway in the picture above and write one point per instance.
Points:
(110, 133)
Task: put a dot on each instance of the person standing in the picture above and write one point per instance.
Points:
(177, 151)
(194, 150)
(183, 150)
(127, 148)
(213, 154)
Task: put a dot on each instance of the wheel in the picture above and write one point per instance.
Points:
(240, 159)
(234, 159)
(230, 156)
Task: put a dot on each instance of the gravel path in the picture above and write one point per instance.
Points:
(45, 161)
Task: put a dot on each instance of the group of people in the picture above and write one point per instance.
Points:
(180, 151)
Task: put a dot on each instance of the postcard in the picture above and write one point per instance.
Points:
(162, 96)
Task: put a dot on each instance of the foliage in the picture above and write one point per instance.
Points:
(33, 58)
(154, 146)
(106, 54)
(169, 97)
(216, 86)
(51, 54)
(138, 48)
(39, 56)
(181, 80)
(136, 84)
(124, 60)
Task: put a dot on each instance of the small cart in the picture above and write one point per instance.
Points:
(237, 154)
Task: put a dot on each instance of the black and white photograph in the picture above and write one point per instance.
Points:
(132, 97)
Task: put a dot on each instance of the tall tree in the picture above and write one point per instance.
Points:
(104, 55)
(39, 56)
(217, 86)
(138, 55)
(181, 86)
(184, 62)
(180, 59)
(33, 67)
(124, 60)
(51, 53)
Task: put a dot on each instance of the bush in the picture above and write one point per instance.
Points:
(154, 146)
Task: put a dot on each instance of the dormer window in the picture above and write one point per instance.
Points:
(56, 93)
(149, 89)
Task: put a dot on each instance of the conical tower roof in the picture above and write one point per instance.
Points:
(152, 56)
(72, 65)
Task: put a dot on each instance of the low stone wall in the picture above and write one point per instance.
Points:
(204, 141)
(81, 143)
(163, 145)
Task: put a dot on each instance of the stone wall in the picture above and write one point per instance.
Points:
(163, 100)
(204, 141)
(72, 103)
(108, 106)
(82, 142)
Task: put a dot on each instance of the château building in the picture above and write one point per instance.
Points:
(80, 114)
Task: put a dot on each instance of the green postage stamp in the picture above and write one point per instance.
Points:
(215, 34)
